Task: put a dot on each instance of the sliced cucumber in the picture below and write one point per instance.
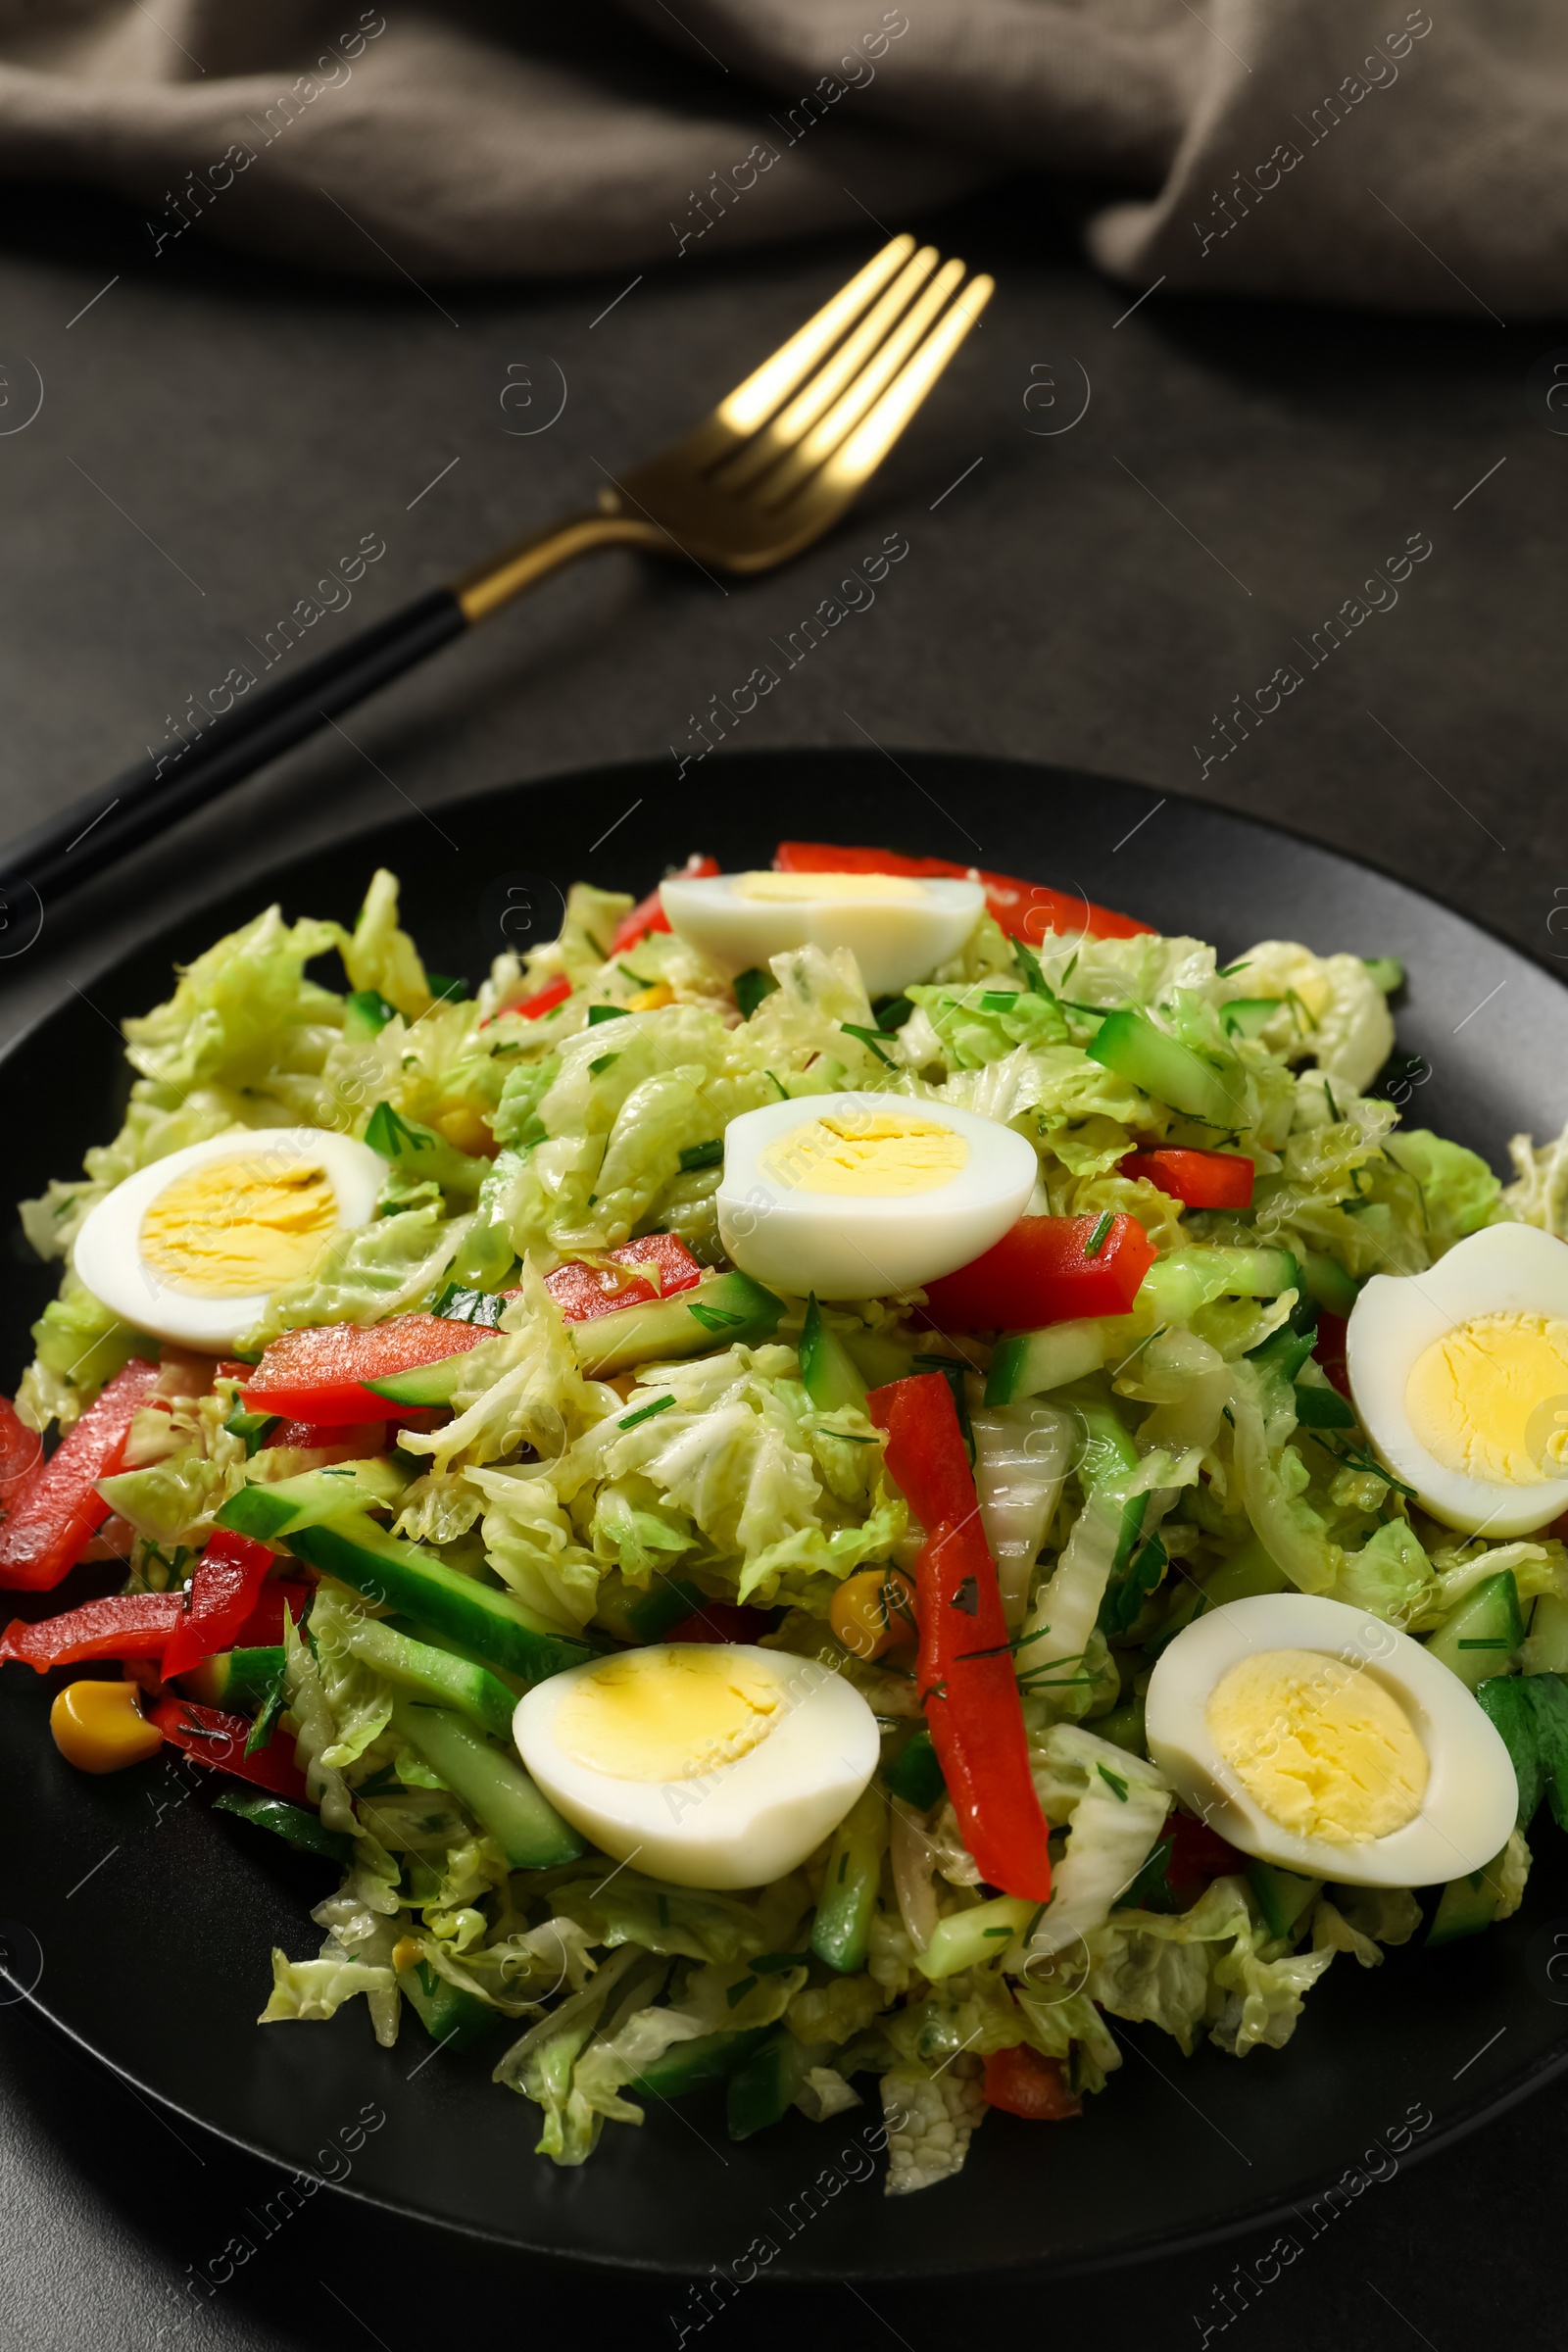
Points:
(1328, 1282)
(1467, 1905)
(1282, 1896)
(1478, 1638)
(767, 2082)
(1178, 1285)
(1214, 1092)
(847, 1905)
(827, 1367)
(426, 1386)
(237, 1680)
(693, 2065)
(437, 1675)
(274, 1513)
(1248, 1016)
(968, 1938)
(451, 2016)
(1026, 1363)
(1123, 1727)
(1546, 1649)
(485, 1621)
(1508, 1703)
(494, 1786)
(726, 1310)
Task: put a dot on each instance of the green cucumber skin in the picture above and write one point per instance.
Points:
(765, 2083)
(693, 2065)
(427, 1385)
(1464, 1907)
(452, 2017)
(236, 1678)
(496, 1790)
(841, 1932)
(490, 1625)
(1029, 1363)
(828, 1368)
(665, 1329)
(1165, 1069)
(1489, 1616)
(1283, 1896)
(436, 1675)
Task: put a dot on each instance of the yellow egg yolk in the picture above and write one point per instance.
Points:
(792, 889)
(1490, 1399)
(1322, 1746)
(671, 1714)
(867, 1152)
(232, 1227)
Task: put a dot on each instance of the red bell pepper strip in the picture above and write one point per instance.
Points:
(918, 1414)
(583, 1291)
(1197, 1856)
(1025, 910)
(1328, 1346)
(349, 1441)
(543, 1000)
(721, 1621)
(20, 1450)
(262, 1629)
(649, 913)
(209, 1736)
(228, 1576)
(1045, 1270)
(1197, 1179)
(57, 1507)
(1021, 2081)
(125, 1625)
(315, 1374)
(966, 1679)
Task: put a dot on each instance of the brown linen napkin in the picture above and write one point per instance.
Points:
(1345, 150)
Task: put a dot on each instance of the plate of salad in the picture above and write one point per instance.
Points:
(741, 1555)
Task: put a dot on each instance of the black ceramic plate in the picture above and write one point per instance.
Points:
(141, 1919)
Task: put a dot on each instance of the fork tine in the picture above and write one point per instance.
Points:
(867, 444)
(866, 387)
(821, 390)
(753, 402)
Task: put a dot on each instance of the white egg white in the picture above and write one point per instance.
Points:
(1399, 1316)
(740, 1824)
(1471, 1797)
(867, 1245)
(895, 941)
(108, 1253)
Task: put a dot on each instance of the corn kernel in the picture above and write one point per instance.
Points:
(872, 1611)
(405, 1953)
(99, 1727)
(655, 998)
(465, 1131)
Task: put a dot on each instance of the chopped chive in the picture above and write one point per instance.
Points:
(1098, 1239)
(597, 1069)
(604, 1012)
(783, 1092)
(635, 978)
(391, 1136)
(1035, 980)
(739, 1989)
(713, 1318)
(646, 1413)
(1115, 1782)
(868, 1038)
(703, 1155)
(1230, 970)
(663, 1910)
(988, 1931)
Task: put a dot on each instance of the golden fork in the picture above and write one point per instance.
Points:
(768, 473)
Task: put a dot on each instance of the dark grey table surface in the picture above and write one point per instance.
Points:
(1090, 584)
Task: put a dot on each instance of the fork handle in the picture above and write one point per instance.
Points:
(204, 760)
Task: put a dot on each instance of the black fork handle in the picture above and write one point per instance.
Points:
(90, 835)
